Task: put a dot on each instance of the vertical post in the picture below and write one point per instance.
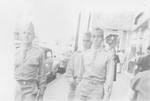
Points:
(149, 31)
(89, 20)
(138, 43)
(77, 34)
(122, 42)
(127, 50)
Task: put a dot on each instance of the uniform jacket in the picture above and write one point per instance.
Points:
(140, 84)
(29, 65)
(73, 67)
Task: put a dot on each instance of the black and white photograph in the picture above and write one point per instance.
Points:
(75, 50)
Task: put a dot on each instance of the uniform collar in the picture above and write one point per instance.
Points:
(99, 49)
(25, 48)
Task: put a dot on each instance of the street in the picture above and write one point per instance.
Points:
(58, 89)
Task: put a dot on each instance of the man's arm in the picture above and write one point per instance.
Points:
(134, 83)
(42, 75)
(70, 69)
(109, 78)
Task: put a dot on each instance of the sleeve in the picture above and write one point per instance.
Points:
(139, 64)
(41, 73)
(70, 67)
(81, 68)
(135, 81)
(134, 84)
(109, 77)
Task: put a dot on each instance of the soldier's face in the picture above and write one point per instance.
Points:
(87, 42)
(27, 36)
(97, 39)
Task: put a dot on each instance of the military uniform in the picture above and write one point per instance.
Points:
(140, 84)
(73, 71)
(143, 63)
(98, 68)
(29, 73)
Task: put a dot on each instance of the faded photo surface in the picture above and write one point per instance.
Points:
(75, 50)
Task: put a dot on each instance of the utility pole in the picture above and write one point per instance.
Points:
(77, 34)
(89, 20)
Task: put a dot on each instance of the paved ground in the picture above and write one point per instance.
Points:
(58, 89)
(121, 87)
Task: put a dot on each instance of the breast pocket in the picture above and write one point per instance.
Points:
(77, 63)
(87, 62)
(33, 62)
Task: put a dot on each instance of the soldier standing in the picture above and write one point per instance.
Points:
(98, 68)
(73, 69)
(29, 71)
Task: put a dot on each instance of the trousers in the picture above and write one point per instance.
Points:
(71, 93)
(26, 92)
(89, 90)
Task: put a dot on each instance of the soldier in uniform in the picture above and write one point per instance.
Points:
(29, 71)
(143, 62)
(140, 86)
(73, 70)
(98, 68)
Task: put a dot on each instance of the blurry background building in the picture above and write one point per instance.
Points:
(125, 31)
(55, 23)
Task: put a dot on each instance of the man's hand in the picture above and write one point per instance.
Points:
(41, 91)
(71, 80)
(107, 90)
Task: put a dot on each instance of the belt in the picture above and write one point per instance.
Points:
(26, 82)
(94, 81)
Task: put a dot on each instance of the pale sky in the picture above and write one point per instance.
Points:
(57, 19)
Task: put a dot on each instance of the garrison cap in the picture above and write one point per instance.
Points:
(87, 34)
(98, 30)
(29, 27)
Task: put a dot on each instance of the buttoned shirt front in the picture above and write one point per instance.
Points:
(97, 63)
(29, 65)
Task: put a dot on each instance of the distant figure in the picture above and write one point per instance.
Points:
(140, 85)
(122, 60)
(116, 60)
(29, 71)
(73, 69)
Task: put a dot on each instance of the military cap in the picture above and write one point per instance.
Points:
(29, 27)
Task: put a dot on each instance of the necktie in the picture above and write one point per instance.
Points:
(95, 54)
(24, 52)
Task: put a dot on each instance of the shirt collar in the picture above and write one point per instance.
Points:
(25, 48)
(99, 49)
